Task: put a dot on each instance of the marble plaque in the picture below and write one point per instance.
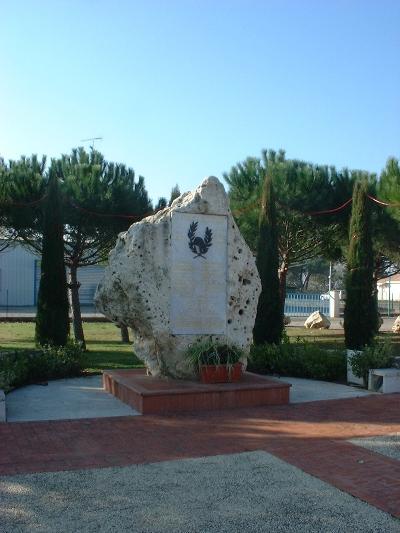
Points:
(198, 274)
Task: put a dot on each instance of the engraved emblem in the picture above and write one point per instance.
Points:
(198, 245)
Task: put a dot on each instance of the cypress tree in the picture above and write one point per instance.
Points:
(268, 326)
(52, 320)
(360, 314)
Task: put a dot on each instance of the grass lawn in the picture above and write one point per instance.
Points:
(103, 340)
(334, 338)
(106, 351)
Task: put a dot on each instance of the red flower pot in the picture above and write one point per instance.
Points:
(221, 373)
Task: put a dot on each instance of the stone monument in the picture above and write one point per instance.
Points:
(181, 276)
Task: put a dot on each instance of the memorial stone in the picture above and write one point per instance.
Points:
(181, 276)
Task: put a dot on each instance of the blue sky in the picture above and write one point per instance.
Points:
(184, 89)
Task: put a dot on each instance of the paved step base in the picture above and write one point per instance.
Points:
(150, 395)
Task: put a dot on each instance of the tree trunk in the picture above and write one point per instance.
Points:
(282, 283)
(306, 282)
(124, 333)
(76, 306)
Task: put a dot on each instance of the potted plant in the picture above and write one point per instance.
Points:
(216, 363)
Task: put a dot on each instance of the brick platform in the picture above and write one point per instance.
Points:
(150, 395)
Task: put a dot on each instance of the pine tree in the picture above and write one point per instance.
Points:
(52, 320)
(360, 314)
(100, 194)
(269, 321)
(389, 185)
(299, 187)
(95, 185)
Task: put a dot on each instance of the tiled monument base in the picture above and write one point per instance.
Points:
(150, 395)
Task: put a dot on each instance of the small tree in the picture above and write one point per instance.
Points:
(360, 314)
(52, 320)
(161, 204)
(175, 193)
(269, 321)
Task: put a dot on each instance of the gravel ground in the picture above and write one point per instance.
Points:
(223, 494)
(386, 445)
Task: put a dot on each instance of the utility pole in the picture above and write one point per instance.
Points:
(330, 277)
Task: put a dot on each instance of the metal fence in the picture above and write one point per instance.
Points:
(389, 307)
(303, 304)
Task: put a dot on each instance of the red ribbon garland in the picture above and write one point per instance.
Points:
(384, 204)
(235, 212)
(111, 215)
(28, 204)
(328, 211)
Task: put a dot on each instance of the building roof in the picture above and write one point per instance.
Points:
(393, 279)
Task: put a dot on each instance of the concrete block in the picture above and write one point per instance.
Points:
(385, 380)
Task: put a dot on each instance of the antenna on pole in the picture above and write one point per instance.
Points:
(92, 139)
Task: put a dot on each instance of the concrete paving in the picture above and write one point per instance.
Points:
(310, 390)
(64, 399)
(388, 445)
(85, 398)
(252, 492)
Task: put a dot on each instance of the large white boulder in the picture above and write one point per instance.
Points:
(396, 325)
(317, 320)
(180, 276)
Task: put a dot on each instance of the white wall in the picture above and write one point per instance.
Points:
(20, 277)
(383, 290)
(89, 277)
(17, 276)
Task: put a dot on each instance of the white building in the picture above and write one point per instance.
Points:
(389, 288)
(20, 276)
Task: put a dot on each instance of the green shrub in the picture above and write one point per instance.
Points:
(19, 368)
(374, 356)
(301, 359)
(322, 364)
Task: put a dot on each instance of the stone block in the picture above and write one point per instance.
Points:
(385, 380)
(317, 320)
(396, 325)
